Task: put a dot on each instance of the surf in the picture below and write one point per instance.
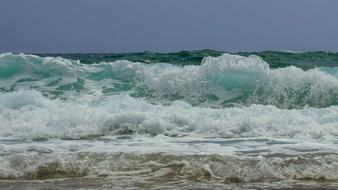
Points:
(224, 81)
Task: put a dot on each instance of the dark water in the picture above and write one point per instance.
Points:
(306, 60)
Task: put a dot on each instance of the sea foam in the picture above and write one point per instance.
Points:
(29, 115)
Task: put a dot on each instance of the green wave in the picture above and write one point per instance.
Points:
(306, 60)
(224, 81)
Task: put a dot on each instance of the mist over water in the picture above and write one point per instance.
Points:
(233, 118)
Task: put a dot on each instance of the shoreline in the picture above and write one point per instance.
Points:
(118, 183)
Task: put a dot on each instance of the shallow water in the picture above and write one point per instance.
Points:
(125, 183)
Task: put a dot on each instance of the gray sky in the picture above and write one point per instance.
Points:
(56, 26)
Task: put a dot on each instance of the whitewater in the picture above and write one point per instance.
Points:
(223, 120)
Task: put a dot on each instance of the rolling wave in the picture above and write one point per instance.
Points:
(224, 81)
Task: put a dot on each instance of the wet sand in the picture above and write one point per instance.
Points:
(118, 183)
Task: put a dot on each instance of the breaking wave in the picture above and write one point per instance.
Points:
(225, 81)
(29, 115)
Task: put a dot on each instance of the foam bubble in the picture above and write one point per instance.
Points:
(34, 117)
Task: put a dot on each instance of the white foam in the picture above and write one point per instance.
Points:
(29, 115)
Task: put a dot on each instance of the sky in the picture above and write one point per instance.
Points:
(113, 26)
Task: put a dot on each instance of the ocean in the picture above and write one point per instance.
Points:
(193, 119)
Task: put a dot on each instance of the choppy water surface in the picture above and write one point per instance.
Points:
(185, 120)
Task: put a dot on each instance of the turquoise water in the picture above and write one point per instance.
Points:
(200, 115)
(226, 81)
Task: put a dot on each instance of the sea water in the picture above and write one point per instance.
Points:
(148, 120)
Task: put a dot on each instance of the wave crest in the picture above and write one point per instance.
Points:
(224, 81)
